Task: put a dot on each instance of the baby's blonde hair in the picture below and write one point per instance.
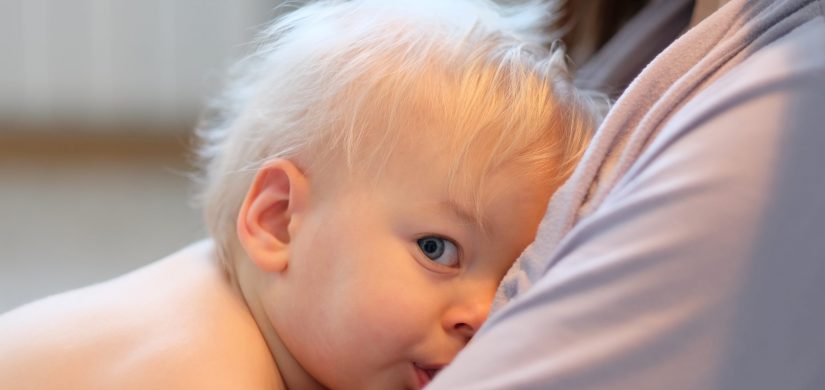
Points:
(339, 80)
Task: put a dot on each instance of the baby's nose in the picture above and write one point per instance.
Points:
(464, 319)
(466, 331)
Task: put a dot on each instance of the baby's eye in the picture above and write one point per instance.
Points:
(439, 250)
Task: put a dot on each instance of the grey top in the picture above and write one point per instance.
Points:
(687, 251)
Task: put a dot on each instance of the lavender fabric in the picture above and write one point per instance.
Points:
(687, 251)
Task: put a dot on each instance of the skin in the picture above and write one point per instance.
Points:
(369, 309)
(175, 324)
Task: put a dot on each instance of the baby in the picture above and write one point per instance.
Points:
(368, 180)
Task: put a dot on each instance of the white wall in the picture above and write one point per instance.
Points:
(104, 62)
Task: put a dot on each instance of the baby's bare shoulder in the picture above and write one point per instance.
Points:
(174, 324)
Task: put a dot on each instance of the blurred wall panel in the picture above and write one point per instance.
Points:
(101, 63)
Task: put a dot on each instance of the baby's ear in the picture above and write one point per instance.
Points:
(269, 214)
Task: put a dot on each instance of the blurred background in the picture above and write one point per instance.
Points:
(98, 99)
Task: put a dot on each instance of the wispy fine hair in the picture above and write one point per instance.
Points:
(340, 79)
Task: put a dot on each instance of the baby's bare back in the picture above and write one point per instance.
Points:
(177, 323)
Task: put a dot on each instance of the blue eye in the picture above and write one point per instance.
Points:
(439, 250)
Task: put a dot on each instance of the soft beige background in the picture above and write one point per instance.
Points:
(97, 102)
(74, 212)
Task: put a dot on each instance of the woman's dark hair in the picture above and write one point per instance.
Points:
(589, 24)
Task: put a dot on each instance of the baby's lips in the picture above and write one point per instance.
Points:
(431, 369)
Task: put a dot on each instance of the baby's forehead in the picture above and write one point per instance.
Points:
(464, 185)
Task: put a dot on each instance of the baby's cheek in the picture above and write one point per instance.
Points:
(395, 316)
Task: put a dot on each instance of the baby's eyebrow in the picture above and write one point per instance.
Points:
(466, 215)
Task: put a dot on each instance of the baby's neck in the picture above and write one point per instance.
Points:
(291, 375)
